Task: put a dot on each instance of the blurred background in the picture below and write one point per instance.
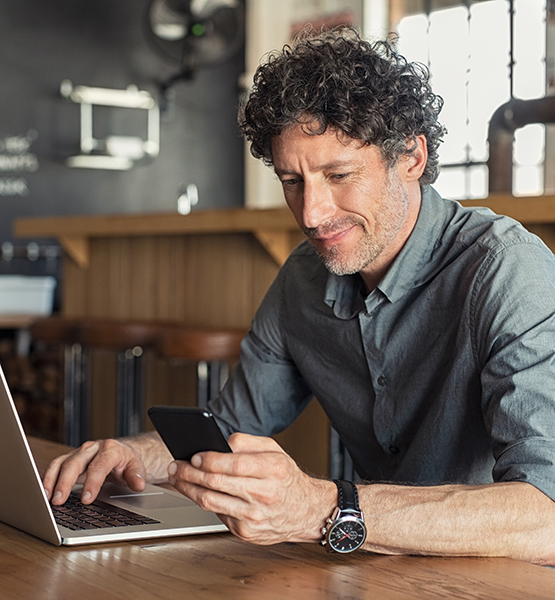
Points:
(481, 54)
(128, 107)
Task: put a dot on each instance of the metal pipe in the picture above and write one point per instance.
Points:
(505, 121)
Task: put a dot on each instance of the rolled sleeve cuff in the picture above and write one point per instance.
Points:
(532, 461)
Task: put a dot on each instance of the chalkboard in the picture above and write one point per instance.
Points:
(101, 43)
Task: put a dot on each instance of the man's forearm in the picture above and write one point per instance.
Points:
(153, 452)
(512, 519)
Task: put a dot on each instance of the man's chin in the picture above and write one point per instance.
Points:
(340, 269)
(337, 264)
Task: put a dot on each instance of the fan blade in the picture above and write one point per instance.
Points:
(168, 23)
(204, 9)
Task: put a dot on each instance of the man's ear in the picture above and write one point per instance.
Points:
(415, 163)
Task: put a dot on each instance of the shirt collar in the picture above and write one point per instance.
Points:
(412, 267)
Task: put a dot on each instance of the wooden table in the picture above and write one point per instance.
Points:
(219, 566)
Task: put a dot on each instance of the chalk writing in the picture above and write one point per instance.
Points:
(15, 157)
(22, 162)
(13, 186)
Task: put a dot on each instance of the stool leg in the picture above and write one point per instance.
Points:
(76, 422)
(203, 385)
(219, 371)
(130, 392)
(211, 378)
(341, 463)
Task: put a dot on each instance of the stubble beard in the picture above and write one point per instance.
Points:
(395, 202)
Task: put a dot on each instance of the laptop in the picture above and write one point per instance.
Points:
(126, 515)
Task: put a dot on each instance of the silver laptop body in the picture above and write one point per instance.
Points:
(23, 502)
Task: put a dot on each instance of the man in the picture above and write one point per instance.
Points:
(424, 329)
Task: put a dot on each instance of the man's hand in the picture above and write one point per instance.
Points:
(258, 491)
(93, 462)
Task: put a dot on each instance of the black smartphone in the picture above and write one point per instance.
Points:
(187, 430)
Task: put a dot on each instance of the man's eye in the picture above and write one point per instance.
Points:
(338, 176)
(289, 182)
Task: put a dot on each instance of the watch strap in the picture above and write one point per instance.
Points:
(347, 521)
(347, 495)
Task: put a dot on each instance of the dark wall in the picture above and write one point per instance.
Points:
(101, 43)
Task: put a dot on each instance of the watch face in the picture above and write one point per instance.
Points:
(346, 534)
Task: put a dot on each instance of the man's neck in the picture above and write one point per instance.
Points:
(376, 270)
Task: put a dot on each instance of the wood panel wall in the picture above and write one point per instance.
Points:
(200, 280)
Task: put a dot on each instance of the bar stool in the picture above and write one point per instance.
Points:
(66, 332)
(129, 339)
(212, 349)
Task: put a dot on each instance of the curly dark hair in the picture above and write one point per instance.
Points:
(338, 80)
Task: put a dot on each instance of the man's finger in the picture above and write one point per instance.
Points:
(259, 477)
(135, 479)
(64, 471)
(92, 463)
(114, 459)
(243, 442)
(212, 500)
(245, 464)
(51, 474)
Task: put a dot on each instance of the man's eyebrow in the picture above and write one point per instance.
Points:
(284, 171)
(336, 164)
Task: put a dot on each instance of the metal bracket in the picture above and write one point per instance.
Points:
(115, 152)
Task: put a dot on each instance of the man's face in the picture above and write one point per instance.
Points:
(355, 211)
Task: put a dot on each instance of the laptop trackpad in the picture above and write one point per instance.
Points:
(147, 500)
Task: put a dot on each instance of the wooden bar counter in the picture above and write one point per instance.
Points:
(536, 213)
(218, 566)
(207, 268)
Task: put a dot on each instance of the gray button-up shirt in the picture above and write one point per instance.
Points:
(444, 373)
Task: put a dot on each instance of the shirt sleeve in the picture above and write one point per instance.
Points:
(265, 392)
(514, 329)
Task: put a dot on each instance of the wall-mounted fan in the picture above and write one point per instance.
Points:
(194, 33)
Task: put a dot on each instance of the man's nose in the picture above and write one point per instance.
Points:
(318, 206)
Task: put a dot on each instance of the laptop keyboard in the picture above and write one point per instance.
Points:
(77, 516)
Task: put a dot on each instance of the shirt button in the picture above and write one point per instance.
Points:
(382, 380)
(393, 449)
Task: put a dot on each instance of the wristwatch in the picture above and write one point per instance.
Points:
(345, 530)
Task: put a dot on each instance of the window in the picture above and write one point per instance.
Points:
(480, 55)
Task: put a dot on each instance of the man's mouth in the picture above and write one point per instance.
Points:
(332, 234)
(336, 237)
